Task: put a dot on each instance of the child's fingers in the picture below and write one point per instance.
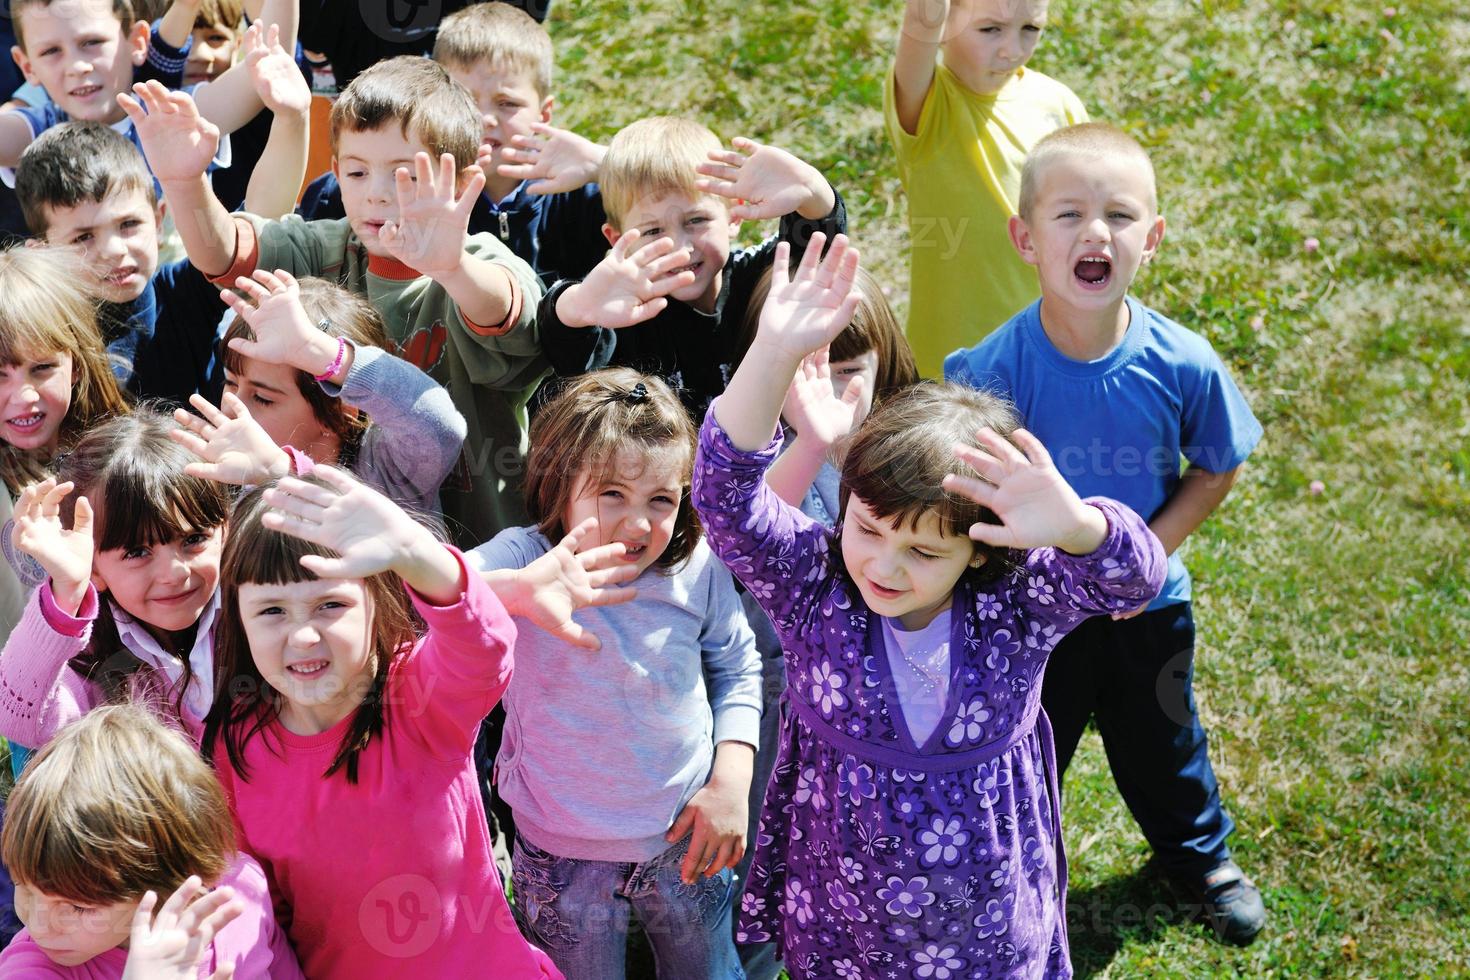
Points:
(652, 252)
(995, 535)
(967, 486)
(984, 463)
(661, 287)
(51, 503)
(683, 824)
(724, 858)
(573, 632)
(143, 916)
(605, 596)
(647, 311)
(472, 189)
(720, 188)
(624, 244)
(180, 899)
(601, 556)
(231, 405)
(210, 414)
(323, 567)
(334, 476)
(811, 259)
(271, 282)
(447, 169)
(1030, 445)
(1000, 448)
(745, 145)
(190, 441)
(665, 264)
(81, 517)
(854, 392)
(250, 287)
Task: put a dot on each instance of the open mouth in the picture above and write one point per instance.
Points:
(376, 227)
(27, 423)
(1093, 270)
(633, 552)
(308, 669)
(85, 91)
(883, 592)
(118, 277)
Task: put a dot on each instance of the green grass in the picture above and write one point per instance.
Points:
(1332, 668)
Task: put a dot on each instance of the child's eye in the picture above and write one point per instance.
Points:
(47, 51)
(218, 39)
(132, 222)
(132, 554)
(261, 401)
(665, 500)
(651, 232)
(613, 494)
(45, 367)
(82, 238)
(923, 554)
(1033, 28)
(1068, 214)
(354, 174)
(699, 219)
(197, 540)
(864, 529)
(1120, 216)
(269, 611)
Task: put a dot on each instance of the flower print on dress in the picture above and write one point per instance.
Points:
(810, 789)
(1112, 568)
(1040, 590)
(907, 803)
(1000, 875)
(902, 932)
(965, 898)
(906, 897)
(799, 903)
(761, 589)
(848, 903)
(752, 904)
(1002, 646)
(995, 918)
(855, 781)
(992, 776)
(1041, 637)
(943, 841)
(826, 688)
(852, 870)
(987, 606)
(909, 776)
(846, 969)
(969, 724)
(1035, 852)
(938, 962)
(1007, 953)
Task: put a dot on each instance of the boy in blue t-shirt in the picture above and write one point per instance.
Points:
(1117, 393)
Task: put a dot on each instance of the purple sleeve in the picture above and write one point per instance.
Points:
(779, 554)
(39, 692)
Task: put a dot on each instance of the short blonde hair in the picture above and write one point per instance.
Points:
(652, 156)
(1092, 140)
(505, 37)
(116, 805)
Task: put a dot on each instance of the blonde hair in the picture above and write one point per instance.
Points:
(503, 36)
(116, 805)
(1092, 141)
(652, 156)
(44, 310)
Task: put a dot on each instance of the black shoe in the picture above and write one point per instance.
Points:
(1231, 904)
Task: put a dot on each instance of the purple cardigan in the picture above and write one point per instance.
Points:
(877, 856)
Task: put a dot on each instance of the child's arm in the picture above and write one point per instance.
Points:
(1195, 498)
(176, 26)
(820, 420)
(230, 101)
(766, 182)
(15, 136)
(555, 160)
(175, 944)
(717, 816)
(282, 165)
(231, 445)
(913, 65)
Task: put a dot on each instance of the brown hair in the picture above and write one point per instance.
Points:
(897, 462)
(44, 311)
(341, 313)
(117, 804)
(123, 10)
(419, 96)
(873, 328)
(220, 13)
(76, 163)
(134, 473)
(503, 36)
(657, 155)
(244, 702)
(1091, 140)
(590, 421)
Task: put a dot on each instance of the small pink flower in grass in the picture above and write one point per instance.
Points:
(1258, 323)
(1316, 487)
(1390, 12)
(1311, 244)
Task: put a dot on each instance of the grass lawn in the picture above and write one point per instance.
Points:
(1332, 669)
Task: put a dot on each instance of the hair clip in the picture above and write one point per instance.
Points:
(636, 395)
(324, 324)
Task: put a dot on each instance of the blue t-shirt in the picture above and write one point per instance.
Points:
(1116, 426)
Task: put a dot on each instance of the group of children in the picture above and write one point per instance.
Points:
(793, 649)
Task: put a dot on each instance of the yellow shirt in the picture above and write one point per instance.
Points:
(962, 174)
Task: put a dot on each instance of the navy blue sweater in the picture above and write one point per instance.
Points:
(163, 344)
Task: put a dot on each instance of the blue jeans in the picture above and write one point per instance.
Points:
(578, 912)
(1136, 678)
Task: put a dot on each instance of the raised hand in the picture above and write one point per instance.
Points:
(273, 69)
(171, 945)
(764, 181)
(433, 220)
(1037, 508)
(550, 589)
(178, 142)
(556, 160)
(813, 408)
(231, 445)
(627, 286)
(283, 332)
(803, 313)
(66, 555)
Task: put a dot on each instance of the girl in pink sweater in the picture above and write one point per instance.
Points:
(344, 740)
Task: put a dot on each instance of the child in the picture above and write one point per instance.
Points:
(670, 296)
(1117, 392)
(961, 130)
(504, 58)
(911, 826)
(115, 811)
(121, 520)
(459, 307)
(657, 838)
(335, 707)
(307, 382)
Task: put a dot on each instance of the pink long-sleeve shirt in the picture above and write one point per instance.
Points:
(253, 942)
(392, 877)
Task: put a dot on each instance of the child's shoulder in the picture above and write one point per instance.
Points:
(514, 547)
(1040, 88)
(1177, 344)
(1003, 345)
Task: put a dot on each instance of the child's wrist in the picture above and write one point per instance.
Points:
(569, 307)
(1089, 535)
(820, 197)
(68, 595)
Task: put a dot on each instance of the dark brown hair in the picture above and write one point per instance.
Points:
(114, 806)
(591, 421)
(77, 163)
(419, 96)
(244, 702)
(344, 314)
(897, 462)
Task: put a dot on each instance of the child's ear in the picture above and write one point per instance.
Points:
(23, 63)
(546, 107)
(335, 173)
(137, 42)
(1155, 237)
(98, 582)
(978, 561)
(1021, 239)
(159, 212)
(611, 234)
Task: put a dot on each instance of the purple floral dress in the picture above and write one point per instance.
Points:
(878, 858)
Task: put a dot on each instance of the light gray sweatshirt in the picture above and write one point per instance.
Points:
(603, 749)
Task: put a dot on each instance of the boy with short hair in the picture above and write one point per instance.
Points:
(1117, 392)
(459, 306)
(670, 297)
(547, 210)
(961, 129)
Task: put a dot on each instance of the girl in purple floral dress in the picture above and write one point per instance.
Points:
(911, 826)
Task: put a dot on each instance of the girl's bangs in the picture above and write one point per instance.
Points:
(256, 555)
(140, 507)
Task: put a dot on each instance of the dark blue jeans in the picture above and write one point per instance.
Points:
(1135, 677)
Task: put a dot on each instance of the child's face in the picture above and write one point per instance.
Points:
(118, 236)
(35, 395)
(365, 163)
(71, 933)
(989, 40)
(844, 373)
(165, 586)
(81, 55)
(904, 573)
(699, 222)
(274, 400)
(638, 506)
(1092, 225)
(509, 103)
(312, 642)
(211, 54)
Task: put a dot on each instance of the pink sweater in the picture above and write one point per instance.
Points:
(392, 877)
(253, 942)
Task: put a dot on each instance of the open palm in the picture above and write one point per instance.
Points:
(805, 311)
(1036, 506)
